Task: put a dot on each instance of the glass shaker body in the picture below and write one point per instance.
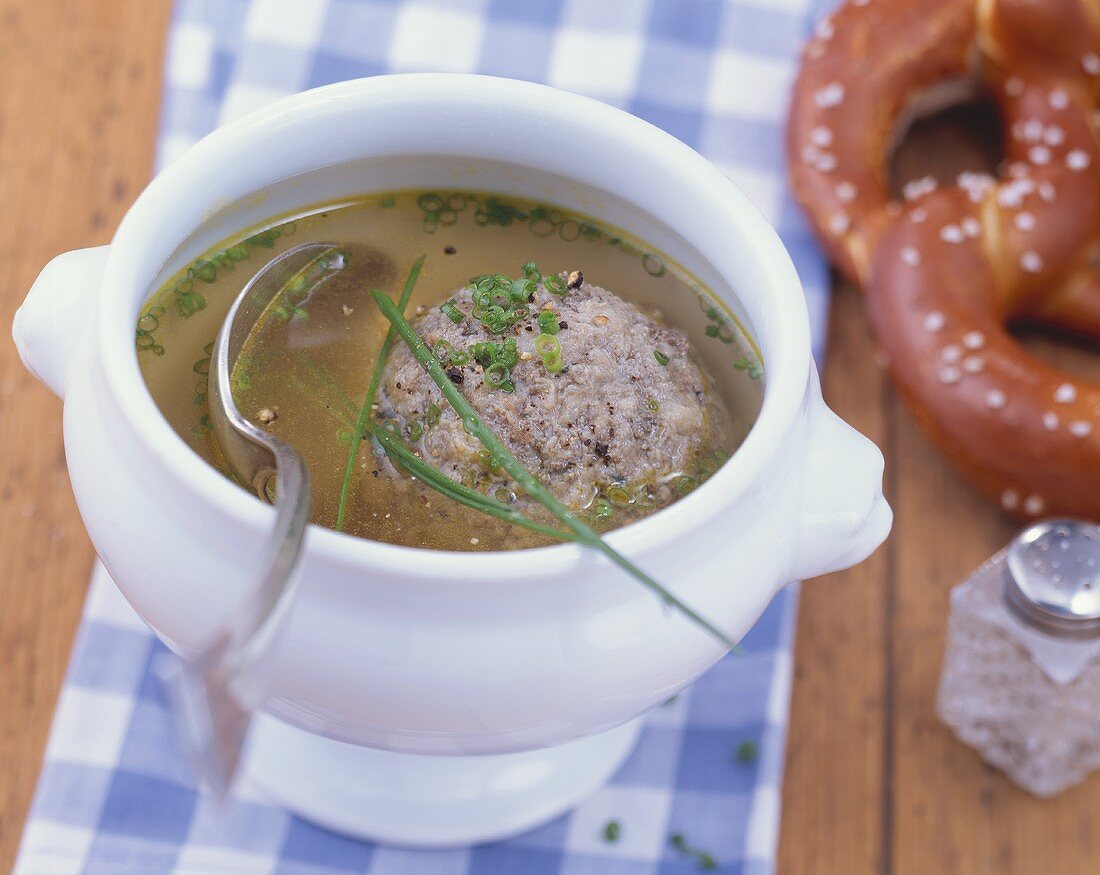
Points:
(1021, 674)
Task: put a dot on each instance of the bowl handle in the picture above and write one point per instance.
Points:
(55, 313)
(844, 516)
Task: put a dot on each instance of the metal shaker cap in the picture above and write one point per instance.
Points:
(1052, 577)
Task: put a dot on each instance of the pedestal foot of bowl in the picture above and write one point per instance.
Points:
(428, 801)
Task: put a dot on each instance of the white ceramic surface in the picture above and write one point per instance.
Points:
(424, 651)
(426, 801)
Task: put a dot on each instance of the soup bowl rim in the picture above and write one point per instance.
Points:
(785, 386)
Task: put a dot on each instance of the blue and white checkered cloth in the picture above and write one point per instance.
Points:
(115, 796)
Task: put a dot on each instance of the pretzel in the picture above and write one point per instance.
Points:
(948, 268)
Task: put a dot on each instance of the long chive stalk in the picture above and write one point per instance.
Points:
(372, 391)
(435, 479)
(530, 484)
(395, 447)
(400, 454)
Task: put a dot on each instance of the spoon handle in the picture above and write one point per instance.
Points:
(216, 691)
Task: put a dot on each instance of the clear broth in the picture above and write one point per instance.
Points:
(317, 374)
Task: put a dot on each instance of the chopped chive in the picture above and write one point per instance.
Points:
(496, 375)
(500, 302)
(685, 484)
(554, 284)
(488, 461)
(483, 352)
(706, 861)
(662, 359)
(530, 484)
(617, 495)
(497, 358)
(602, 509)
(748, 752)
(451, 311)
(443, 350)
(497, 319)
(549, 349)
(548, 322)
(433, 414)
(612, 831)
(520, 291)
(547, 345)
(754, 369)
(205, 271)
(509, 353)
(653, 404)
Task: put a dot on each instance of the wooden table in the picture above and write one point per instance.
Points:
(874, 783)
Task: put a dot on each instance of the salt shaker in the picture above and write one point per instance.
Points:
(1021, 674)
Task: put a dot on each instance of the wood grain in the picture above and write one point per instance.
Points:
(838, 744)
(874, 783)
(79, 99)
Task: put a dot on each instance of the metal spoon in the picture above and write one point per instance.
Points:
(216, 691)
